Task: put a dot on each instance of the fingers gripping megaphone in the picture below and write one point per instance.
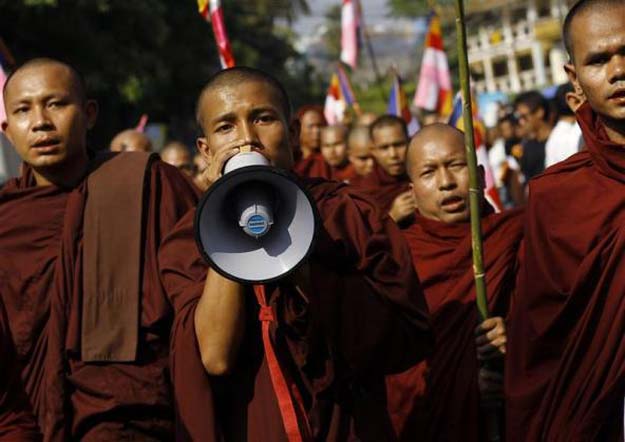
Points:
(255, 224)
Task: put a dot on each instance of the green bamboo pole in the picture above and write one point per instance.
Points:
(475, 191)
(475, 198)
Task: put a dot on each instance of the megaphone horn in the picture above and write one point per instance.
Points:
(255, 224)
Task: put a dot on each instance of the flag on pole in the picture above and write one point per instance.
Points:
(346, 89)
(434, 91)
(479, 136)
(349, 32)
(398, 105)
(212, 12)
(340, 97)
(143, 121)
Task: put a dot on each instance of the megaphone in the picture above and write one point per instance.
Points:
(255, 224)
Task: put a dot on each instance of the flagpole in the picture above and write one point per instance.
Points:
(492, 424)
(374, 63)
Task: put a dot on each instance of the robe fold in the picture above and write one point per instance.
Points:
(383, 187)
(313, 166)
(41, 286)
(565, 371)
(438, 399)
(351, 314)
(17, 423)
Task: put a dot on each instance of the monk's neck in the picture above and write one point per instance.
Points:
(66, 175)
(615, 131)
(308, 151)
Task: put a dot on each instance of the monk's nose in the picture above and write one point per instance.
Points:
(617, 69)
(41, 118)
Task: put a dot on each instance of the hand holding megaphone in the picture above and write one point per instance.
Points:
(255, 223)
(215, 167)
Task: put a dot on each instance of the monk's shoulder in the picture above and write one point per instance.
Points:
(568, 171)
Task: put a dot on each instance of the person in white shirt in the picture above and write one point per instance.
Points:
(566, 136)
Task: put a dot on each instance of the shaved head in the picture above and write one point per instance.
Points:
(437, 167)
(131, 140)
(359, 150)
(242, 74)
(580, 8)
(77, 79)
(179, 156)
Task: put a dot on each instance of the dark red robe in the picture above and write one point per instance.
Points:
(565, 371)
(344, 173)
(353, 313)
(313, 166)
(40, 284)
(17, 423)
(438, 399)
(383, 187)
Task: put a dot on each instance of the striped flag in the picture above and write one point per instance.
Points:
(479, 136)
(335, 106)
(434, 91)
(340, 97)
(212, 12)
(398, 105)
(349, 32)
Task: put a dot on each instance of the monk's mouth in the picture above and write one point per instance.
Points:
(453, 203)
(46, 144)
(618, 95)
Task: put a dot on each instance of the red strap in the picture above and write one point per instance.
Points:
(289, 399)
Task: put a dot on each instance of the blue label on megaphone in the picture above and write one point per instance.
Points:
(257, 225)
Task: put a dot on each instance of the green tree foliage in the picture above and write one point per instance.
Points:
(153, 56)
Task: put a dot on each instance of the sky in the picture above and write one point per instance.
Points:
(375, 11)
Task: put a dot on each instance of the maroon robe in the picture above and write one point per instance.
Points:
(41, 286)
(383, 187)
(17, 423)
(313, 166)
(565, 371)
(344, 173)
(438, 399)
(353, 313)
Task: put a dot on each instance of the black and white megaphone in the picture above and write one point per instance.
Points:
(255, 224)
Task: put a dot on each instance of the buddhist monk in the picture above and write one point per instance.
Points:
(16, 419)
(351, 314)
(79, 239)
(130, 140)
(441, 399)
(388, 183)
(308, 159)
(177, 154)
(334, 152)
(565, 375)
(359, 152)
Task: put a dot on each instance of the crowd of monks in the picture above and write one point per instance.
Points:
(114, 328)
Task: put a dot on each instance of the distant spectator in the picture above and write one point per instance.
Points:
(179, 156)
(130, 140)
(565, 137)
(505, 167)
(532, 113)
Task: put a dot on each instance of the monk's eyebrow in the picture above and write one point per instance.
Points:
(603, 55)
(229, 116)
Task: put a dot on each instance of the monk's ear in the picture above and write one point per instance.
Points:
(294, 130)
(202, 146)
(91, 111)
(569, 68)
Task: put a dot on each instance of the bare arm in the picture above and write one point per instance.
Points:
(220, 323)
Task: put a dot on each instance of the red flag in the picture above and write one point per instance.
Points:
(212, 12)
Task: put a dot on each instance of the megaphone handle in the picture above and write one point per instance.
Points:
(289, 399)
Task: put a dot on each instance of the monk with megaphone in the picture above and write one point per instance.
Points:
(293, 297)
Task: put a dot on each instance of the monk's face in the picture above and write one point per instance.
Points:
(389, 148)
(249, 113)
(440, 177)
(131, 141)
(47, 116)
(333, 146)
(598, 67)
(360, 155)
(310, 130)
(180, 159)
